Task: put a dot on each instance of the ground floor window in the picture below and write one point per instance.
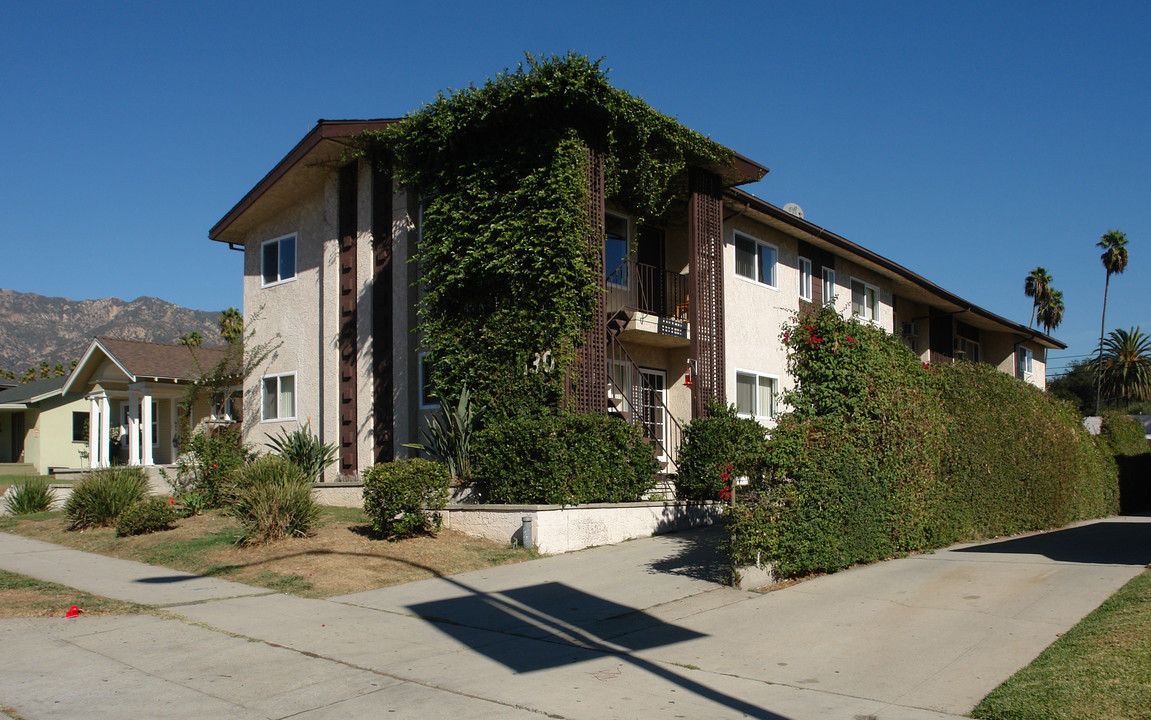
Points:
(80, 427)
(279, 397)
(756, 395)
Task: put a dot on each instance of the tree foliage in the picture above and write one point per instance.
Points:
(504, 256)
(1124, 366)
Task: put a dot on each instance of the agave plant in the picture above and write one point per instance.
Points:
(304, 450)
(448, 437)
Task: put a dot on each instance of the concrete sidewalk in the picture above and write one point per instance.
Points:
(635, 630)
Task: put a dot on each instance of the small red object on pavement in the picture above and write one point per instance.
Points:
(73, 612)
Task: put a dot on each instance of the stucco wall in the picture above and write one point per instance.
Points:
(296, 311)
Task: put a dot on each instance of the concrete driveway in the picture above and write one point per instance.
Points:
(635, 630)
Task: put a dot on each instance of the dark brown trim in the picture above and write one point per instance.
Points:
(347, 232)
(383, 402)
(324, 130)
(705, 304)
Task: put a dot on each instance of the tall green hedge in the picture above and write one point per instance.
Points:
(562, 459)
(883, 454)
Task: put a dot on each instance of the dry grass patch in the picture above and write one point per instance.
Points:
(342, 557)
(25, 597)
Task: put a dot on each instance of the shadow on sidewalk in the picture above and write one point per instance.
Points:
(697, 555)
(552, 625)
(1102, 543)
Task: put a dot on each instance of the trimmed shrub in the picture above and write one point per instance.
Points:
(1124, 434)
(304, 450)
(102, 495)
(716, 448)
(147, 516)
(405, 497)
(563, 459)
(273, 500)
(884, 454)
(30, 495)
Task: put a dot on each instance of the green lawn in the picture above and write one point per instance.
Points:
(1101, 669)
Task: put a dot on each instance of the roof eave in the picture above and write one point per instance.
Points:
(817, 233)
(324, 130)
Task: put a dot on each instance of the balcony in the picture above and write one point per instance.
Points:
(652, 301)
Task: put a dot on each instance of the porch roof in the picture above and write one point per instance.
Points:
(30, 393)
(145, 360)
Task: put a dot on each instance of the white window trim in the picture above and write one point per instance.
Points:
(1029, 362)
(775, 401)
(421, 371)
(878, 300)
(295, 269)
(774, 285)
(804, 266)
(295, 397)
(828, 279)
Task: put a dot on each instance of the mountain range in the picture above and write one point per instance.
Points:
(35, 328)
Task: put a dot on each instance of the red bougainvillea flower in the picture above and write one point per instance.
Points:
(213, 466)
(171, 501)
(808, 328)
(786, 336)
(849, 339)
(725, 493)
(926, 366)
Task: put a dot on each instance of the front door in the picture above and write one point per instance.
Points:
(652, 401)
(18, 430)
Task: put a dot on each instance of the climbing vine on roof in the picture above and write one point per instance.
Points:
(503, 250)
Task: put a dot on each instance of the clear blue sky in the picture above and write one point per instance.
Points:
(967, 141)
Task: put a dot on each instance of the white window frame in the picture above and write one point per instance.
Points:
(280, 279)
(757, 414)
(828, 285)
(772, 280)
(278, 377)
(804, 279)
(620, 375)
(1025, 362)
(874, 316)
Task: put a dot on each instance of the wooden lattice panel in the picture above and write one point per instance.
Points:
(590, 373)
(346, 231)
(383, 406)
(705, 311)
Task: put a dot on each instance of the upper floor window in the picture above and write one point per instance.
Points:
(755, 395)
(804, 279)
(864, 300)
(966, 349)
(1026, 360)
(279, 397)
(278, 260)
(755, 260)
(615, 250)
(828, 285)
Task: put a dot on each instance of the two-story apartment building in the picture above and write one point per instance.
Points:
(691, 310)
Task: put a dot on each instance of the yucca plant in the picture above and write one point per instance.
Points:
(304, 450)
(100, 497)
(28, 496)
(448, 438)
(274, 501)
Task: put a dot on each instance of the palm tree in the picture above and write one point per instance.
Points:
(1124, 365)
(1035, 286)
(1114, 257)
(1051, 312)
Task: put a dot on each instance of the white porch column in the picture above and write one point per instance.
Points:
(146, 427)
(133, 428)
(93, 432)
(175, 428)
(105, 431)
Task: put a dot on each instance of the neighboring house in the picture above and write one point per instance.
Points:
(130, 393)
(40, 429)
(692, 311)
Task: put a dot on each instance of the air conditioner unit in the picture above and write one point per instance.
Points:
(910, 329)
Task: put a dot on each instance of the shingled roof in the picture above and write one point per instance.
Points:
(156, 360)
